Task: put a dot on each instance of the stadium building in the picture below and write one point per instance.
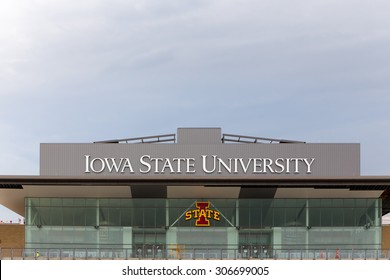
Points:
(199, 194)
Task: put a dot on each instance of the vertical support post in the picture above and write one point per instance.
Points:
(307, 223)
(237, 213)
(97, 225)
(167, 213)
(378, 223)
(238, 228)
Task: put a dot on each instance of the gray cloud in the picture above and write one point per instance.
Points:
(308, 70)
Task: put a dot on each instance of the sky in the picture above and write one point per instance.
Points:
(89, 70)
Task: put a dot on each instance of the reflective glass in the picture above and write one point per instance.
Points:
(67, 222)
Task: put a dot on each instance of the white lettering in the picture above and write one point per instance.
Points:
(113, 165)
(167, 164)
(179, 161)
(287, 165)
(146, 164)
(296, 170)
(224, 164)
(245, 167)
(191, 165)
(308, 164)
(256, 165)
(267, 165)
(280, 165)
(87, 164)
(156, 160)
(204, 160)
(211, 165)
(102, 165)
(127, 165)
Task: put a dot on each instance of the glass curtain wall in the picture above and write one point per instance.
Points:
(258, 225)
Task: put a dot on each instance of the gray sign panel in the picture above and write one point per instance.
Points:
(217, 160)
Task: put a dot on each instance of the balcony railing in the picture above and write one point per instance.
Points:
(154, 252)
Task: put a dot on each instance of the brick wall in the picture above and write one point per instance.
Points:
(11, 236)
(386, 237)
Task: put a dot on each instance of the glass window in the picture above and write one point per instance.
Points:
(79, 202)
(114, 217)
(138, 217)
(279, 217)
(160, 217)
(68, 202)
(349, 217)
(104, 216)
(338, 217)
(126, 217)
(33, 201)
(255, 217)
(150, 217)
(267, 219)
(90, 202)
(104, 202)
(44, 215)
(315, 217)
(326, 217)
(114, 202)
(244, 217)
(56, 202)
(90, 217)
(362, 203)
(68, 214)
(349, 202)
(56, 216)
(79, 216)
(44, 202)
(338, 203)
(326, 202)
(293, 216)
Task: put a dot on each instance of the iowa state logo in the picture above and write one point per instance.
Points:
(203, 214)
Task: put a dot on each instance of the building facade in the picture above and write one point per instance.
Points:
(197, 192)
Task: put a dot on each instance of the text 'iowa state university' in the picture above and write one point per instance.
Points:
(207, 164)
